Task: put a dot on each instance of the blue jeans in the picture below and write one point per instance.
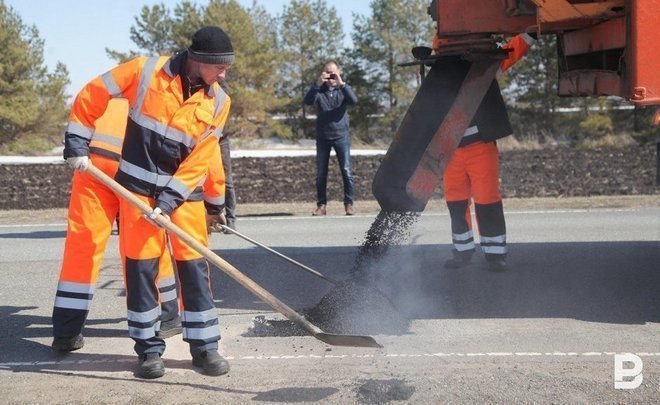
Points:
(342, 148)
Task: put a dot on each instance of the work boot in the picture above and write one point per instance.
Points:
(151, 366)
(231, 224)
(68, 344)
(212, 363)
(349, 209)
(496, 263)
(459, 260)
(319, 211)
(170, 328)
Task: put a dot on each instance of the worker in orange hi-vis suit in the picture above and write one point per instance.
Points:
(177, 114)
(473, 174)
(92, 209)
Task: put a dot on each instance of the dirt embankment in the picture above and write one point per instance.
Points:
(550, 172)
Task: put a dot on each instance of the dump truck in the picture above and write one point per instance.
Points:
(605, 48)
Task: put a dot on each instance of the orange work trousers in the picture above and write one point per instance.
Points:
(93, 208)
(144, 242)
(473, 174)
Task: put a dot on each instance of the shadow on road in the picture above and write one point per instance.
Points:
(84, 365)
(22, 355)
(20, 348)
(610, 282)
(34, 235)
(267, 214)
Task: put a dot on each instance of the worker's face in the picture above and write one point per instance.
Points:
(212, 73)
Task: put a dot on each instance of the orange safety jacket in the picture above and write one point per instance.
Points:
(169, 142)
(107, 139)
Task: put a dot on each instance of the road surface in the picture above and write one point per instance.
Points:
(583, 285)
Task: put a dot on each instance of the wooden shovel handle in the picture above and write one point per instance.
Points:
(220, 263)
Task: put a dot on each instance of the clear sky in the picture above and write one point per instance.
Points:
(76, 32)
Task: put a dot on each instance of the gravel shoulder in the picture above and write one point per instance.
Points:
(545, 179)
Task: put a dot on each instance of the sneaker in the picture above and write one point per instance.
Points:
(212, 363)
(458, 261)
(319, 211)
(151, 366)
(497, 264)
(349, 209)
(170, 328)
(68, 344)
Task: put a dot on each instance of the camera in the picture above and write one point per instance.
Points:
(332, 76)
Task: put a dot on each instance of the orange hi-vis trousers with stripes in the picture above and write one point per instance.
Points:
(93, 208)
(143, 244)
(473, 174)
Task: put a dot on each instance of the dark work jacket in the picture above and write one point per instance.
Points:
(331, 104)
(491, 121)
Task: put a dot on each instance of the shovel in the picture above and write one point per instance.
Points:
(342, 285)
(231, 271)
(278, 254)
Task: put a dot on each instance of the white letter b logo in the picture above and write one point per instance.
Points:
(620, 372)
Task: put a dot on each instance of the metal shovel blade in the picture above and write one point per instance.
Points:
(347, 340)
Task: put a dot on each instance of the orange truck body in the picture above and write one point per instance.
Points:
(606, 47)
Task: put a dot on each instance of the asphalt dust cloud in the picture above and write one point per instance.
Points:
(358, 305)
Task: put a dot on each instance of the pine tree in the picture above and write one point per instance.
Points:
(532, 91)
(311, 33)
(250, 82)
(32, 101)
(384, 39)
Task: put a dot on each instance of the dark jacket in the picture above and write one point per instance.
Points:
(331, 104)
(491, 121)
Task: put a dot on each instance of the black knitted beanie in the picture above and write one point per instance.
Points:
(211, 45)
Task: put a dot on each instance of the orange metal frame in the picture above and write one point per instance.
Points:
(642, 52)
(585, 27)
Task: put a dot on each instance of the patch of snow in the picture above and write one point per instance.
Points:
(235, 154)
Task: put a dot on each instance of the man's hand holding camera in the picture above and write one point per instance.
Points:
(330, 78)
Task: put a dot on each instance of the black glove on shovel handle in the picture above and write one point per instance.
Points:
(231, 271)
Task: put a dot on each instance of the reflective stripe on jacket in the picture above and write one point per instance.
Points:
(169, 142)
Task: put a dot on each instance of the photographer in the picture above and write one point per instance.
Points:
(332, 96)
